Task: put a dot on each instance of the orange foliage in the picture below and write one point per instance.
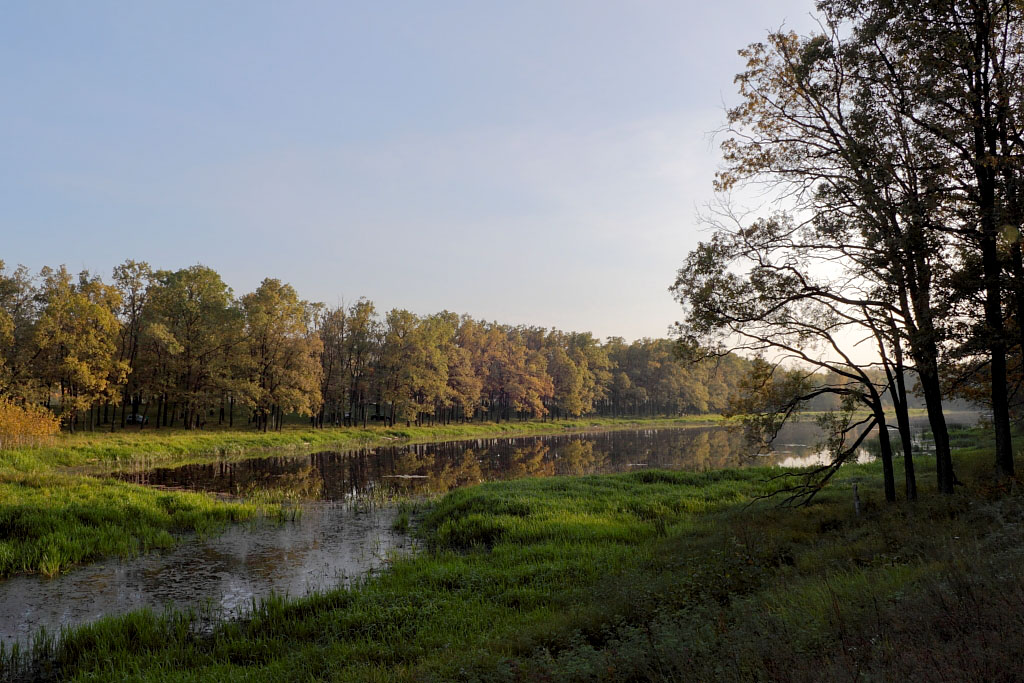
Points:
(26, 425)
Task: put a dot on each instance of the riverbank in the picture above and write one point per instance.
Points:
(104, 452)
(58, 509)
(640, 576)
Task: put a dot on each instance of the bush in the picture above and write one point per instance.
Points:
(29, 425)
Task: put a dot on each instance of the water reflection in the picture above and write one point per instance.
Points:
(921, 442)
(436, 468)
(440, 467)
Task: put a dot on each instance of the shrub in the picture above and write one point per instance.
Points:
(28, 425)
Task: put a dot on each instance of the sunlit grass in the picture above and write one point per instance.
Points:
(50, 522)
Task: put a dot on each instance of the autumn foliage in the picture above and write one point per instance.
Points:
(25, 425)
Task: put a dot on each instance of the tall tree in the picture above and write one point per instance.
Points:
(957, 66)
(823, 121)
(76, 338)
(133, 280)
(193, 327)
(333, 330)
(745, 289)
(414, 371)
(283, 352)
(20, 305)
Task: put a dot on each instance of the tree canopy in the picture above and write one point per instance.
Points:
(170, 348)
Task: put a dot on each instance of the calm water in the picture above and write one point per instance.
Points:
(327, 547)
(336, 540)
(440, 467)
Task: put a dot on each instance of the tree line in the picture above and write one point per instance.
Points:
(892, 140)
(178, 348)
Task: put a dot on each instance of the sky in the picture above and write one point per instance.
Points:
(537, 163)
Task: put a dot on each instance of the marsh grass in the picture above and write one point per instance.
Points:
(52, 521)
(642, 576)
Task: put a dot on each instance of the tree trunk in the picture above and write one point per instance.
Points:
(929, 378)
(997, 348)
(885, 446)
(903, 422)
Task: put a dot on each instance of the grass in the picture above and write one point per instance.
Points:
(50, 522)
(108, 451)
(642, 576)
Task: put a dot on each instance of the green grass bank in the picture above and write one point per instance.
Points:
(50, 522)
(641, 576)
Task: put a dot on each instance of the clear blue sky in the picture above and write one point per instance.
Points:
(527, 162)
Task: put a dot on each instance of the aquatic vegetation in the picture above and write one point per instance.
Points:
(50, 522)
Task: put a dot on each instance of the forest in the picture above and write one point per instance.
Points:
(162, 348)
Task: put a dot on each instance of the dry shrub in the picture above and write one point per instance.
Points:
(29, 425)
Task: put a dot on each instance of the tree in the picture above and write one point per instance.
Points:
(567, 380)
(19, 312)
(76, 338)
(822, 120)
(954, 71)
(132, 280)
(333, 329)
(191, 330)
(414, 371)
(516, 376)
(283, 352)
(745, 290)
